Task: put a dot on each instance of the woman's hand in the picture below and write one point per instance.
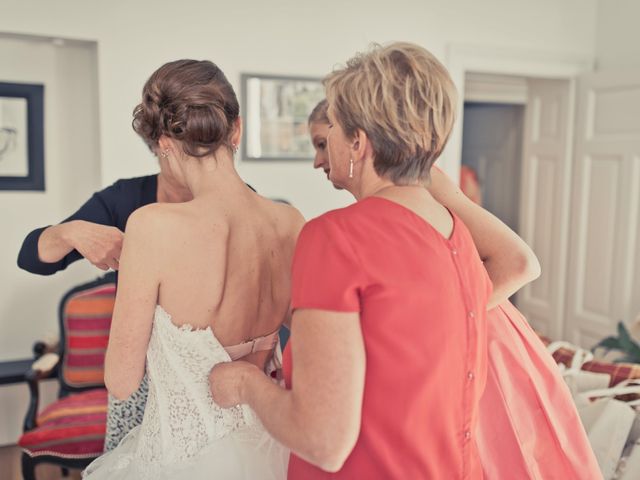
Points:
(100, 244)
(226, 382)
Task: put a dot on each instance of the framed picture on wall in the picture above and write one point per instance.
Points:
(275, 112)
(21, 137)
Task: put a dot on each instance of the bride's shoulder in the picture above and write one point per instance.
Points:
(152, 214)
(153, 220)
(288, 216)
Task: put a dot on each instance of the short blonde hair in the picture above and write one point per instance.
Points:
(403, 98)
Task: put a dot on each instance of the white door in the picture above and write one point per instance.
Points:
(545, 199)
(604, 269)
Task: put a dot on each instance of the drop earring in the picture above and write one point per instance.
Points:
(164, 153)
(351, 168)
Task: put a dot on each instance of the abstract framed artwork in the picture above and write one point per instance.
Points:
(275, 113)
(21, 137)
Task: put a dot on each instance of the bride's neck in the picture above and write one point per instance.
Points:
(212, 175)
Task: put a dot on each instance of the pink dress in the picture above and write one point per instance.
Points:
(528, 426)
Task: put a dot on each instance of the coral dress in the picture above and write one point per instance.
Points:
(528, 425)
(422, 304)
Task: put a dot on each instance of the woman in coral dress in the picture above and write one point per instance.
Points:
(528, 426)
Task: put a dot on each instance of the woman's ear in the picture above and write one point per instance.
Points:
(164, 145)
(236, 136)
(360, 145)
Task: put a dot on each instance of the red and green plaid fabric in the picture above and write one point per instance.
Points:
(619, 372)
(86, 322)
(73, 427)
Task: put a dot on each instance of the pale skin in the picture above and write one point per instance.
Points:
(319, 418)
(221, 260)
(101, 245)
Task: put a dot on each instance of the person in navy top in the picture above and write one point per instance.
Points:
(95, 230)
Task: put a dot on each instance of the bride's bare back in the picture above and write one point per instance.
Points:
(226, 264)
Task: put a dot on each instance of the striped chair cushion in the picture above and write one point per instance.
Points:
(73, 427)
(86, 321)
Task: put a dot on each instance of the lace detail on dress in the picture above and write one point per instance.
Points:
(180, 417)
(184, 435)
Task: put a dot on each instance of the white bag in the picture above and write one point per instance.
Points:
(608, 423)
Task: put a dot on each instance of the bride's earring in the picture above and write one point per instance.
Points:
(164, 154)
(234, 148)
(351, 168)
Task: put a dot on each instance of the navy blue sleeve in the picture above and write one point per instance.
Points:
(100, 208)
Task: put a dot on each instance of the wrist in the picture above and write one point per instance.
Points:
(250, 376)
(53, 243)
(67, 232)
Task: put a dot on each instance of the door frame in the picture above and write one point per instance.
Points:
(522, 62)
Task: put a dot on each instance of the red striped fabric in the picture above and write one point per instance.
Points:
(88, 342)
(73, 427)
(88, 323)
(86, 360)
(87, 319)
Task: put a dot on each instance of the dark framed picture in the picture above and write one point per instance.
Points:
(275, 113)
(21, 137)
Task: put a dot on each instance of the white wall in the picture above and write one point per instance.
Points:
(617, 44)
(28, 303)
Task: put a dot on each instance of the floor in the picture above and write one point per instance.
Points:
(10, 467)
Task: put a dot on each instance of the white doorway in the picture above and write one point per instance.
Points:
(492, 136)
(516, 143)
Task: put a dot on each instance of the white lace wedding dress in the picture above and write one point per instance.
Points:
(184, 434)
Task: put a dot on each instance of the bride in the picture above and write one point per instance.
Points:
(201, 282)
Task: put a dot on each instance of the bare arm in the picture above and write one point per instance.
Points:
(510, 262)
(136, 300)
(319, 418)
(100, 244)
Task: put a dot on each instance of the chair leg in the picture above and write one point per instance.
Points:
(28, 467)
(65, 472)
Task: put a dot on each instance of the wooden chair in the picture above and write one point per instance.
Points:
(70, 432)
